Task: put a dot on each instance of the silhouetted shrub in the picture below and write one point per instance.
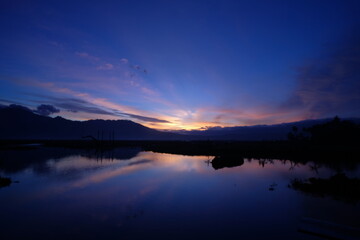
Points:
(335, 131)
(4, 182)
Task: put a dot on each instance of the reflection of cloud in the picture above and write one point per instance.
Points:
(102, 176)
(79, 163)
(175, 162)
(330, 85)
(140, 162)
(143, 161)
(89, 172)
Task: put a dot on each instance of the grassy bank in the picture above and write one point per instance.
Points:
(300, 151)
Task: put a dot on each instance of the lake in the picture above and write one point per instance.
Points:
(132, 194)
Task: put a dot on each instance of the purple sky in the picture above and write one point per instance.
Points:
(182, 64)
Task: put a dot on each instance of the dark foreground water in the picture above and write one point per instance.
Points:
(129, 194)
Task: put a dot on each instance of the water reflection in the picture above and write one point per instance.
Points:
(338, 186)
(37, 159)
(132, 194)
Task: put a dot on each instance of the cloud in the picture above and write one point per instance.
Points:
(72, 101)
(79, 105)
(145, 119)
(86, 56)
(124, 60)
(106, 66)
(331, 84)
(148, 91)
(43, 109)
(46, 110)
(135, 67)
(139, 69)
(9, 102)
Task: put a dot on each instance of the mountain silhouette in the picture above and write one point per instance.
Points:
(19, 122)
(257, 132)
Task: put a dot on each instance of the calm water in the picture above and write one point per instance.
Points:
(130, 194)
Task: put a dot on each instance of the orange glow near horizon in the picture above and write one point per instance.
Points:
(174, 123)
(169, 118)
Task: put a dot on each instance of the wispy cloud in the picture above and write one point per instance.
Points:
(106, 66)
(330, 85)
(10, 101)
(78, 105)
(87, 56)
(83, 102)
(139, 69)
(124, 60)
(228, 117)
(136, 67)
(143, 118)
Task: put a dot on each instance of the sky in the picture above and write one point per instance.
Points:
(182, 64)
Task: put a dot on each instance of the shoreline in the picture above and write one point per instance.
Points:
(293, 150)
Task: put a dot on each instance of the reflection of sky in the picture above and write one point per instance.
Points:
(135, 198)
(98, 172)
(182, 64)
(79, 172)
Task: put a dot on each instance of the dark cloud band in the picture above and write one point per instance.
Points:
(330, 85)
(80, 105)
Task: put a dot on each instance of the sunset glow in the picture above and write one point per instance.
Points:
(183, 64)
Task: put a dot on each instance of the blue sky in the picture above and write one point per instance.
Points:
(183, 64)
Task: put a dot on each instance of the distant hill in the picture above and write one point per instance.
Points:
(18, 122)
(256, 133)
